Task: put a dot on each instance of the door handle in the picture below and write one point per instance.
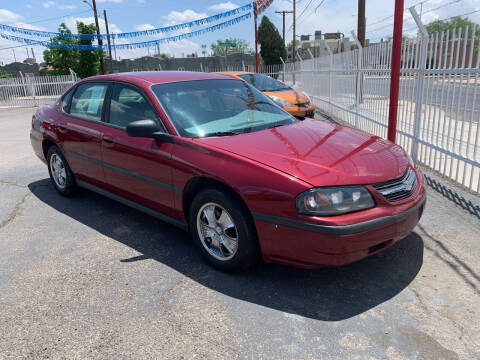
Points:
(62, 127)
(107, 140)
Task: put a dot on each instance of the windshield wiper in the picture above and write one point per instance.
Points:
(219, 133)
(277, 89)
(275, 125)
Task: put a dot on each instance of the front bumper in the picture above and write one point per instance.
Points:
(301, 111)
(311, 245)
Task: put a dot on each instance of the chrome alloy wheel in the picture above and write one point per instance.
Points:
(59, 173)
(217, 231)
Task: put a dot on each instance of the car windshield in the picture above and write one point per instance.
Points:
(264, 83)
(204, 108)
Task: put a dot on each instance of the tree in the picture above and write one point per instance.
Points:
(61, 59)
(4, 74)
(272, 47)
(455, 22)
(88, 61)
(84, 63)
(241, 46)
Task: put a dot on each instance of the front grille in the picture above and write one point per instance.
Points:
(398, 189)
(304, 105)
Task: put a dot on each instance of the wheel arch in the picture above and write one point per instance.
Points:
(47, 144)
(199, 183)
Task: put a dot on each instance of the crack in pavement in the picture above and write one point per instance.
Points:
(176, 323)
(429, 309)
(18, 205)
(15, 211)
(12, 183)
(456, 263)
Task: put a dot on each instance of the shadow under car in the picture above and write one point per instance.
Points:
(327, 294)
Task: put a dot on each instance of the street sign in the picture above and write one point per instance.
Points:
(230, 44)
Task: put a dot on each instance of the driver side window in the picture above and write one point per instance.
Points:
(128, 104)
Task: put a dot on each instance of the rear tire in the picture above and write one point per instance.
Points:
(223, 230)
(60, 173)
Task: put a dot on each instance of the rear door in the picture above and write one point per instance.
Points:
(81, 129)
(136, 168)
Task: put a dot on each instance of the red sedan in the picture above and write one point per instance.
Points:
(213, 155)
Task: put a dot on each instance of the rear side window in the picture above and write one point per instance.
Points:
(87, 102)
(66, 100)
(128, 104)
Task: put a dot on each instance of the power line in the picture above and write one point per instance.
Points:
(321, 3)
(442, 6)
(451, 17)
(298, 18)
(305, 9)
(448, 18)
(425, 12)
(16, 46)
(391, 16)
(58, 17)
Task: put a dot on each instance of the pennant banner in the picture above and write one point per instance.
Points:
(262, 5)
(137, 45)
(49, 34)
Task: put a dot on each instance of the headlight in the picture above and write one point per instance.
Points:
(280, 101)
(410, 160)
(333, 200)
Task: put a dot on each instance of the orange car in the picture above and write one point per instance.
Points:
(295, 102)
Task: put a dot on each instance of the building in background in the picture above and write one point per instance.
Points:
(336, 41)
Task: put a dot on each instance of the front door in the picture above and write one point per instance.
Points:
(81, 128)
(136, 168)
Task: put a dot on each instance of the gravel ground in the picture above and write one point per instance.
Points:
(86, 277)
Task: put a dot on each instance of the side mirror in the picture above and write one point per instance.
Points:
(148, 129)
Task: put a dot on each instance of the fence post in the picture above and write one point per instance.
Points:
(23, 84)
(310, 53)
(419, 85)
(73, 75)
(330, 82)
(201, 67)
(358, 87)
(283, 63)
(33, 81)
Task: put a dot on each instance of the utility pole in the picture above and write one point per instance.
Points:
(14, 57)
(114, 49)
(395, 73)
(256, 35)
(100, 42)
(283, 12)
(361, 39)
(361, 22)
(294, 50)
(108, 40)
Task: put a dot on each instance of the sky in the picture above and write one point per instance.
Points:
(132, 15)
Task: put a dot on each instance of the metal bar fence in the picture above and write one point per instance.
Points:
(439, 98)
(28, 91)
(439, 101)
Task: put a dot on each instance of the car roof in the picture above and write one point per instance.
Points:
(234, 72)
(147, 78)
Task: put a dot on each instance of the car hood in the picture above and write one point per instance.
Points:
(320, 153)
(291, 95)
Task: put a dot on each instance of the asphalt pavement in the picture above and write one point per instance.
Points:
(86, 277)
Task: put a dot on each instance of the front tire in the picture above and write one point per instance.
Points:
(60, 173)
(223, 231)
